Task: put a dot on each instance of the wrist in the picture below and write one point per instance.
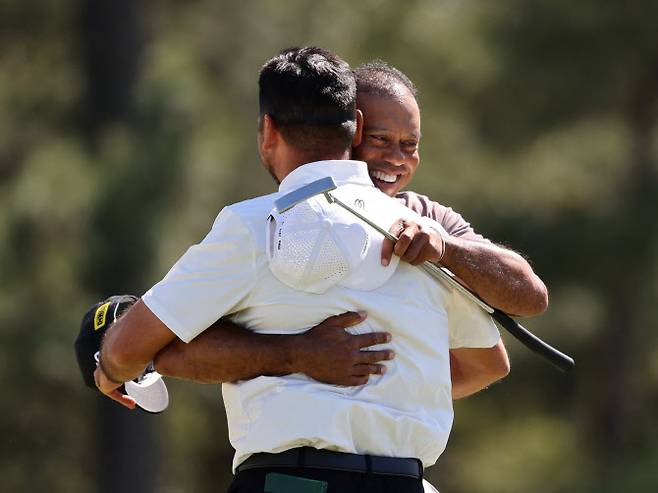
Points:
(440, 243)
(447, 246)
(442, 253)
(295, 353)
(108, 375)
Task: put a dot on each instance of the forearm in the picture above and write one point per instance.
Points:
(500, 277)
(474, 369)
(466, 382)
(227, 353)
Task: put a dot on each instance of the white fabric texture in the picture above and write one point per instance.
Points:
(310, 252)
(407, 412)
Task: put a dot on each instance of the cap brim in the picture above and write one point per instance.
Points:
(150, 392)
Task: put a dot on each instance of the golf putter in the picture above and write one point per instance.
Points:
(326, 185)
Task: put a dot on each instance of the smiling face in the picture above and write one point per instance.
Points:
(391, 134)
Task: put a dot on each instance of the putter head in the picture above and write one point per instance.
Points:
(317, 187)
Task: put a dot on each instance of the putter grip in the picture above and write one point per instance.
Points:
(534, 343)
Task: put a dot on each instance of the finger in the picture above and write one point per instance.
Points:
(387, 245)
(124, 400)
(356, 381)
(371, 339)
(404, 240)
(418, 243)
(371, 369)
(347, 319)
(375, 356)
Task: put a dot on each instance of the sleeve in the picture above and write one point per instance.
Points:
(212, 279)
(468, 325)
(452, 221)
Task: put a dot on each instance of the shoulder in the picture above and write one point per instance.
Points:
(423, 205)
(246, 217)
(452, 221)
(250, 210)
(253, 207)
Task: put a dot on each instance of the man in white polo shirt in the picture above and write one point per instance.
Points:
(292, 433)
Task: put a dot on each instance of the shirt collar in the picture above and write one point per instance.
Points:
(342, 171)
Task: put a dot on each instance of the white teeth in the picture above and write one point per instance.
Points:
(383, 176)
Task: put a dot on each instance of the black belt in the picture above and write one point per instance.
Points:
(327, 459)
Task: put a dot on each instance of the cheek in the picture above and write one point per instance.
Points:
(414, 161)
(362, 152)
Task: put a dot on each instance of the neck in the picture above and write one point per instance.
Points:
(297, 159)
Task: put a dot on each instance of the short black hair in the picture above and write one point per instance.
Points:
(310, 93)
(380, 78)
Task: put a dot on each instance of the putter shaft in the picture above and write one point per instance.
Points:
(562, 361)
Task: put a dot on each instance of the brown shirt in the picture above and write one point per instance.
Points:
(451, 221)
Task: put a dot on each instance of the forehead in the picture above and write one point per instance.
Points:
(398, 112)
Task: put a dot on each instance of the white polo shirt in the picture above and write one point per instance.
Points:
(406, 412)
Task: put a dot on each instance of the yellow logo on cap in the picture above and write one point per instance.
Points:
(101, 313)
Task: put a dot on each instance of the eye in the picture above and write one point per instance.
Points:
(410, 145)
(377, 139)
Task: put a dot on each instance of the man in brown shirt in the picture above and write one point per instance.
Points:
(390, 146)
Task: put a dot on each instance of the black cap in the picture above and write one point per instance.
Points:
(149, 391)
(92, 329)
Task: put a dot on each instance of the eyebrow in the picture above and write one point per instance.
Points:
(376, 129)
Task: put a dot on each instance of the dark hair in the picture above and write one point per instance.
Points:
(310, 93)
(378, 77)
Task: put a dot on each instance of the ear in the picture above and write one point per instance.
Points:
(268, 134)
(359, 129)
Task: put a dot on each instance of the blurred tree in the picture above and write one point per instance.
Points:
(558, 64)
(112, 40)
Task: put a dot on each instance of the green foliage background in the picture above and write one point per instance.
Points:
(125, 127)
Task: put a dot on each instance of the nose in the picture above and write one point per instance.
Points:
(395, 156)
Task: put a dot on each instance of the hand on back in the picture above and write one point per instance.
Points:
(330, 354)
